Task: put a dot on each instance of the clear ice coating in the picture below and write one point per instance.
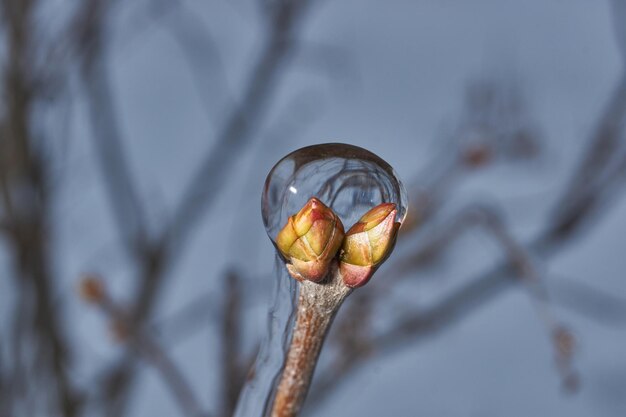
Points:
(348, 179)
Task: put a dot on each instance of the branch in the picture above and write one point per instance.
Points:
(199, 311)
(604, 307)
(585, 191)
(526, 268)
(5, 388)
(119, 182)
(191, 36)
(233, 375)
(440, 239)
(210, 177)
(92, 290)
(4, 224)
(25, 194)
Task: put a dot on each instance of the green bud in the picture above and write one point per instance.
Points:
(368, 244)
(310, 240)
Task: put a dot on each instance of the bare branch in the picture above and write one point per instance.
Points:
(213, 172)
(5, 396)
(604, 307)
(191, 36)
(145, 346)
(586, 189)
(526, 269)
(233, 375)
(438, 241)
(118, 179)
(194, 315)
(4, 226)
(26, 200)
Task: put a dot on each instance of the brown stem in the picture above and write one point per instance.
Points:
(317, 306)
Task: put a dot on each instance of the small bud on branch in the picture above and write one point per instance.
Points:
(310, 240)
(91, 289)
(368, 244)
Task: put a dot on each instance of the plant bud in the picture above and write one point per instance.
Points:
(367, 244)
(310, 240)
(91, 289)
(477, 155)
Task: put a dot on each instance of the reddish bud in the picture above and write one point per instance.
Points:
(368, 244)
(477, 155)
(91, 289)
(310, 240)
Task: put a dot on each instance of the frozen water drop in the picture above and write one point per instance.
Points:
(348, 179)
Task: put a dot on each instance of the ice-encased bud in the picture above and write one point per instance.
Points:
(368, 244)
(349, 180)
(310, 240)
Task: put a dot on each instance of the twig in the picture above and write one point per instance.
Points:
(438, 240)
(196, 314)
(4, 226)
(594, 303)
(26, 200)
(584, 192)
(317, 306)
(526, 269)
(232, 374)
(144, 345)
(5, 396)
(191, 35)
(119, 182)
